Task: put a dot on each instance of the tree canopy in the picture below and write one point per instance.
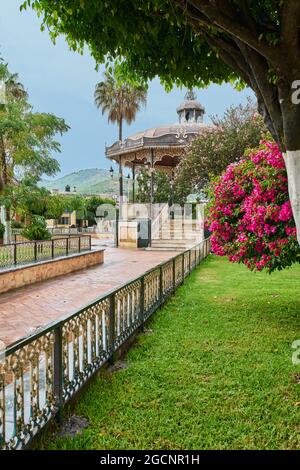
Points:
(153, 37)
(27, 139)
(194, 42)
(165, 189)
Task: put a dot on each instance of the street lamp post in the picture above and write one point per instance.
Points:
(150, 168)
(133, 182)
(111, 170)
(171, 180)
(128, 182)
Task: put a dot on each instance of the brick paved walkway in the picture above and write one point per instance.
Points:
(26, 309)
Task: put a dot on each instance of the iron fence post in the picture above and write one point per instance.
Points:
(52, 248)
(67, 246)
(189, 261)
(79, 244)
(142, 302)
(117, 228)
(15, 253)
(160, 285)
(150, 232)
(112, 335)
(35, 251)
(174, 274)
(58, 372)
(90, 241)
(183, 271)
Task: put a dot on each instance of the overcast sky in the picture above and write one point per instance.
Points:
(62, 82)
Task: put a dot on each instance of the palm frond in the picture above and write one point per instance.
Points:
(121, 101)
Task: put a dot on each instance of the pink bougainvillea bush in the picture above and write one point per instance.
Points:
(250, 216)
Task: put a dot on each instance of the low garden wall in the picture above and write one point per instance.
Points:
(41, 271)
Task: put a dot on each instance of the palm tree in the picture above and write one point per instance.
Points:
(121, 101)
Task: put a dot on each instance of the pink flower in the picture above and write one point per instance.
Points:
(285, 212)
(250, 222)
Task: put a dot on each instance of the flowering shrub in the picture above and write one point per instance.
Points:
(37, 230)
(250, 215)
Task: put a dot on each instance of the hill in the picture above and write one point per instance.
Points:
(89, 181)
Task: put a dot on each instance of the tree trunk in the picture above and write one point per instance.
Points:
(290, 115)
(121, 129)
(292, 162)
(4, 177)
(4, 182)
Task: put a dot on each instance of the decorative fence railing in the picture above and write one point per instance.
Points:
(15, 254)
(16, 233)
(41, 373)
(70, 230)
(20, 239)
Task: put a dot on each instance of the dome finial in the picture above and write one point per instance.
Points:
(190, 111)
(190, 95)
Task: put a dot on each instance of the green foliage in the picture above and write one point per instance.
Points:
(210, 154)
(91, 205)
(27, 139)
(153, 38)
(2, 230)
(246, 43)
(36, 144)
(55, 206)
(74, 203)
(24, 198)
(37, 230)
(16, 224)
(119, 98)
(164, 190)
(85, 207)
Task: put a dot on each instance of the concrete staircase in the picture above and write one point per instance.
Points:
(173, 235)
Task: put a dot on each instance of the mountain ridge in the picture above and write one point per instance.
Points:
(87, 181)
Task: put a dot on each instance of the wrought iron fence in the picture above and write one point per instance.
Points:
(60, 230)
(28, 252)
(15, 238)
(69, 230)
(40, 374)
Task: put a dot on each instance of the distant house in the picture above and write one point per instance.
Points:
(69, 218)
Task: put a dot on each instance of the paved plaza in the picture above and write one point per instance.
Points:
(24, 310)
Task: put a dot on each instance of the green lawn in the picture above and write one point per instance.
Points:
(214, 372)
